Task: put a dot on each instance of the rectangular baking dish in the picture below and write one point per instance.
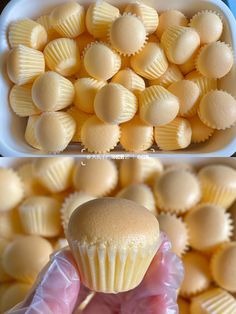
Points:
(223, 143)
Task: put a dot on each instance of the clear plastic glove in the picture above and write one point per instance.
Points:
(58, 289)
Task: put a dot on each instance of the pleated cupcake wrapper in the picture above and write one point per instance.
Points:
(21, 101)
(80, 118)
(203, 48)
(38, 220)
(30, 64)
(22, 33)
(117, 58)
(129, 104)
(168, 136)
(203, 139)
(137, 82)
(44, 20)
(110, 269)
(122, 54)
(155, 69)
(103, 14)
(69, 205)
(154, 93)
(217, 302)
(148, 16)
(142, 146)
(57, 177)
(172, 75)
(219, 250)
(217, 195)
(73, 25)
(30, 132)
(66, 94)
(61, 50)
(205, 84)
(169, 38)
(92, 149)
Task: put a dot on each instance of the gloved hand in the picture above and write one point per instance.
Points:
(58, 289)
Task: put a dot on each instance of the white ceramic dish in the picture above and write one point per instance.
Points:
(12, 142)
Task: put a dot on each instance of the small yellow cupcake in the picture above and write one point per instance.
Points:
(188, 94)
(200, 132)
(62, 56)
(54, 173)
(52, 92)
(99, 137)
(68, 19)
(4, 277)
(215, 301)
(171, 75)
(30, 136)
(72, 202)
(183, 305)
(80, 118)
(109, 259)
(215, 60)
(99, 18)
(174, 135)
(217, 110)
(14, 294)
(40, 215)
(158, 106)
(30, 182)
(130, 80)
(25, 257)
(209, 226)
(205, 84)
(177, 191)
(85, 92)
(45, 21)
(151, 62)
(141, 170)
(223, 268)
(115, 104)
(24, 64)
(176, 230)
(180, 43)
(21, 101)
(170, 18)
(11, 189)
(209, 26)
(54, 131)
(127, 34)
(29, 33)
(190, 64)
(95, 177)
(218, 184)
(10, 225)
(197, 277)
(136, 135)
(139, 193)
(147, 14)
(100, 61)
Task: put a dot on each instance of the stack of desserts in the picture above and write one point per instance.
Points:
(104, 76)
(194, 207)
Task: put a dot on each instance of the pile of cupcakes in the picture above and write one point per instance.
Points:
(196, 208)
(103, 76)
